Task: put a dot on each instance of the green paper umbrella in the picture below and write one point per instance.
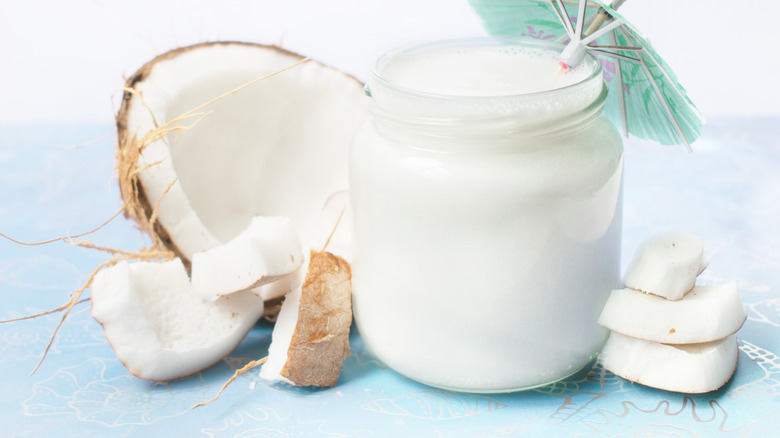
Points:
(645, 97)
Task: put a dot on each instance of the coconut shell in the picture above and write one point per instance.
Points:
(320, 341)
(139, 207)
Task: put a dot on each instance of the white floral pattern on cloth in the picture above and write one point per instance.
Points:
(92, 393)
(434, 404)
(264, 422)
(765, 311)
(25, 340)
(25, 273)
(767, 385)
(665, 420)
(578, 395)
(253, 376)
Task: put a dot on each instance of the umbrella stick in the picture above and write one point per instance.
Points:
(660, 95)
(581, 18)
(563, 16)
(622, 91)
(602, 16)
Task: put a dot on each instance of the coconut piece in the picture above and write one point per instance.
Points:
(283, 286)
(705, 314)
(266, 251)
(666, 265)
(690, 368)
(276, 148)
(311, 337)
(159, 328)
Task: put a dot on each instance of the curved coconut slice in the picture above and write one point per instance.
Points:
(158, 327)
(705, 314)
(693, 368)
(266, 251)
(311, 336)
(666, 265)
(283, 286)
(276, 148)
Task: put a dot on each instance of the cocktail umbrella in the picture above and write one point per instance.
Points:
(645, 97)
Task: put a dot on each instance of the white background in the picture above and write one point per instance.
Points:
(63, 60)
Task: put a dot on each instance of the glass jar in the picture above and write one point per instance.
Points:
(487, 210)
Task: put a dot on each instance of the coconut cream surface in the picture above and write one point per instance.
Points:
(486, 193)
(482, 71)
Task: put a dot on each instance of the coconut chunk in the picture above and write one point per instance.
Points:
(695, 368)
(266, 251)
(159, 328)
(311, 337)
(705, 314)
(283, 286)
(666, 265)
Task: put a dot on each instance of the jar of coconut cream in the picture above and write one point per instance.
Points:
(486, 190)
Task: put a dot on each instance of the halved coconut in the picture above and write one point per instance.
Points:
(666, 265)
(266, 251)
(705, 314)
(159, 328)
(276, 148)
(311, 337)
(688, 368)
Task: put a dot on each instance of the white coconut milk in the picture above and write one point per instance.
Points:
(481, 71)
(486, 191)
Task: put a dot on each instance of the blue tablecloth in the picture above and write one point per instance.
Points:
(56, 180)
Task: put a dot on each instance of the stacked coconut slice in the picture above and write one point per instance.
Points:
(226, 154)
(666, 332)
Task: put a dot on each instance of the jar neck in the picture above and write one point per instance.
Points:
(399, 110)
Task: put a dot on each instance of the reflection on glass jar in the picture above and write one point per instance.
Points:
(486, 190)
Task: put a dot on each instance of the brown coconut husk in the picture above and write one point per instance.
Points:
(321, 338)
(240, 371)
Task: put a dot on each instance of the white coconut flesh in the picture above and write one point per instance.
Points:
(695, 368)
(666, 265)
(159, 328)
(266, 251)
(705, 314)
(311, 337)
(281, 337)
(276, 148)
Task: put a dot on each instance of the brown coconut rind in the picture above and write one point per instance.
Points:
(139, 207)
(320, 341)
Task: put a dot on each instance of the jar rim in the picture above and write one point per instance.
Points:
(463, 116)
(377, 78)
